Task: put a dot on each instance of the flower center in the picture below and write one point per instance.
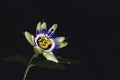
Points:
(44, 42)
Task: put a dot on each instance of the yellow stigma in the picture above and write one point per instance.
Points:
(44, 42)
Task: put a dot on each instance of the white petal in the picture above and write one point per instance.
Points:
(38, 26)
(37, 49)
(59, 39)
(43, 26)
(50, 56)
(63, 44)
(52, 29)
(29, 37)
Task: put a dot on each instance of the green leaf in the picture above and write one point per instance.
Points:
(17, 58)
(40, 61)
(67, 61)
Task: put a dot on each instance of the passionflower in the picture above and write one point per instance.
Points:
(44, 41)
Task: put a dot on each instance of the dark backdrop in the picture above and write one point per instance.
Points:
(91, 28)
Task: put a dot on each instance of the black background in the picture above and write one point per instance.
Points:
(91, 28)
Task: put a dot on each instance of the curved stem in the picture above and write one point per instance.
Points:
(29, 65)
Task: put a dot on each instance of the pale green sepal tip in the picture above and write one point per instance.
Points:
(29, 37)
(50, 56)
(53, 28)
(38, 26)
(37, 50)
(44, 25)
(63, 44)
(60, 39)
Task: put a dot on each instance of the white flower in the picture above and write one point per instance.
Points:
(44, 43)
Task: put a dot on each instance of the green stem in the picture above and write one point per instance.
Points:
(29, 65)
